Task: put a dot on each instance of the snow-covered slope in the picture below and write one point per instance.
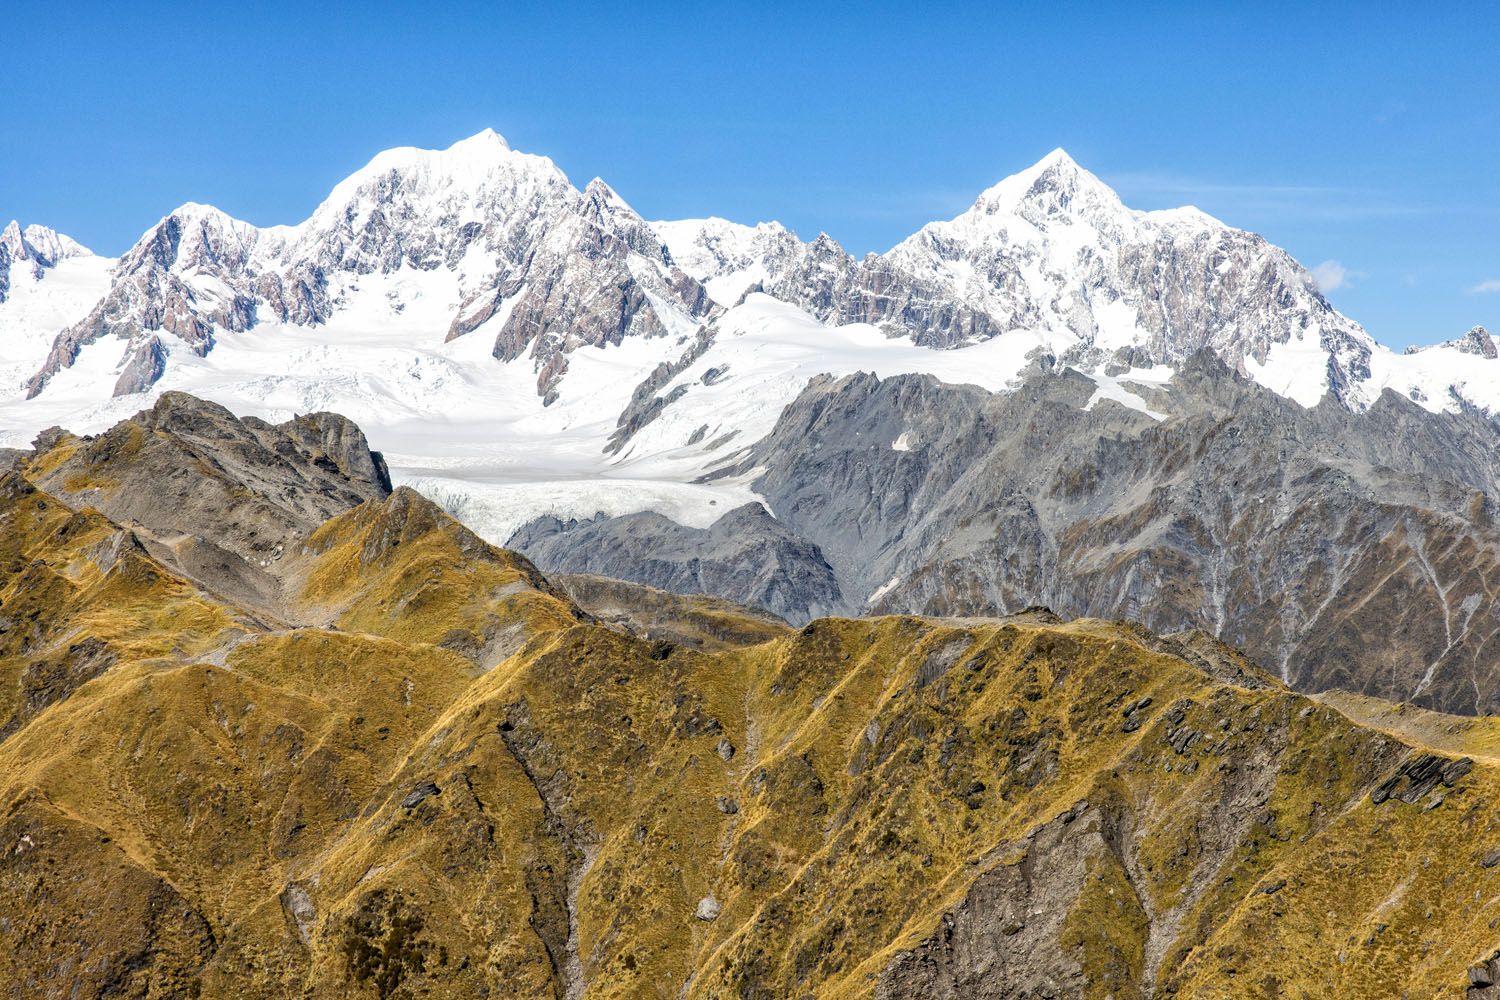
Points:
(519, 346)
(1053, 252)
(47, 282)
(729, 258)
(540, 265)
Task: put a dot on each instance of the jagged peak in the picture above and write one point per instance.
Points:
(39, 244)
(1477, 342)
(191, 223)
(1058, 158)
(718, 235)
(485, 138)
(827, 243)
(715, 225)
(1055, 182)
(598, 190)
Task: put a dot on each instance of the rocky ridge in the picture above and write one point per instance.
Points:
(460, 784)
(1353, 550)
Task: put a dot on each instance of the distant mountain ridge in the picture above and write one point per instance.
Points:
(534, 356)
(1050, 252)
(1053, 248)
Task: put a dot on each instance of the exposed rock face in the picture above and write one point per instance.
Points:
(1477, 342)
(564, 267)
(186, 277)
(220, 499)
(148, 361)
(1345, 550)
(746, 554)
(203, 801)
(1349, 551)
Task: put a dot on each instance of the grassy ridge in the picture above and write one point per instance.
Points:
(463, 785)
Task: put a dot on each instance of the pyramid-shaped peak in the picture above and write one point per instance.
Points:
(600, 198)
(600, 187)
(1053, 185)
(1058, 158)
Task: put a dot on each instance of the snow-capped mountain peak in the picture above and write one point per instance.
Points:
(486, 232)
(471, 165)
(41, 246)
(730, 257)
(1051, 254)
(1053, 187)
(194, 237)
(483, 243)
(31, 253)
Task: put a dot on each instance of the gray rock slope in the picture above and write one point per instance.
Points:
(746, 553)
(1341, 549)
(226, 501)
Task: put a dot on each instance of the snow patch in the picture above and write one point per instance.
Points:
(1116, 388)
(883, 589)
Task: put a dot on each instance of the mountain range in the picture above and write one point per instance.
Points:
(1051, 398)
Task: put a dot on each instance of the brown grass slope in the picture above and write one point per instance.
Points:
(465, 786)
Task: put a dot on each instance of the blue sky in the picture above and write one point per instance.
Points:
(1364, 136)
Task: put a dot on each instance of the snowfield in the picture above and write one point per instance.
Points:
(471, 432)
(1046, 251)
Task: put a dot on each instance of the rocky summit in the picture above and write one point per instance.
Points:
(273, 728)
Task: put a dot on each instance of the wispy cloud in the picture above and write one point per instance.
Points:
(1149, 182)
(1247, 203)
(1332, 274)
(1486, 287)
(1389, 112)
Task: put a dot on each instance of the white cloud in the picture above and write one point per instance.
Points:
(1258, 203)
(1331, 275)
(1485, 287)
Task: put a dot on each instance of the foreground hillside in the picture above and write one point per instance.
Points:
(274, 730)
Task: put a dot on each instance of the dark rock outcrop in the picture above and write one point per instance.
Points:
(746, 556)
